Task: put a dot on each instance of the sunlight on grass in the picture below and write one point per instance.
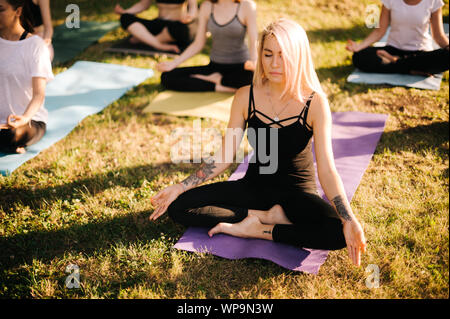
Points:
(86, 199)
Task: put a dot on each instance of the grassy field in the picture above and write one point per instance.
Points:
(85, 200)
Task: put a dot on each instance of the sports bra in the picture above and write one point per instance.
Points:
(171, 1)
(295, 162)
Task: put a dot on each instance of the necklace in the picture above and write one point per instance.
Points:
(276, 118)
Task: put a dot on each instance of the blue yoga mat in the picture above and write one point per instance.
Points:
(84, 89)
(415, 81)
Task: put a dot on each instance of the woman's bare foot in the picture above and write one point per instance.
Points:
(273, 216)
(215, 78)
(250, 227)
(277, 216)
(169, 47)
(426, 74)
(386, 57)
(21, 150)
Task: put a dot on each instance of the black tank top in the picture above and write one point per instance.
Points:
(36, 16)
(295, 167)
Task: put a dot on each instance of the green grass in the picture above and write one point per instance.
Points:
(85, 200)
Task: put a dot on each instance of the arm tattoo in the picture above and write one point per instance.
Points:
(205, 171)
(341, 209)
(267, 232)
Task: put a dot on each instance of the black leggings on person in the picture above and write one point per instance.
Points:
(180, 79)
(23, 136)
(315, 223)
(429, 62)
(178, 31)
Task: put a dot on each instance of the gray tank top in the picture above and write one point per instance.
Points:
(228, 45)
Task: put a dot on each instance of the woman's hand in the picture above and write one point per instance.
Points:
(250, 65)
(356, 242)
(4, 127)
(164, 198)
(118, 9)
(187, 18)
(166, 66)
(352, 46)
(15, 121)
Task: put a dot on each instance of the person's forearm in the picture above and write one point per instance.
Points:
(137, 8)
(34, 106)
(373, 37)
(208, 170)
(334, 190)
(190, 51)
(48, 32)
(192, 9)
(217, 163)
(252, 48)
(442, 41)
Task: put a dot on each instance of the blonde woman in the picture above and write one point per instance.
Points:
(286, 98)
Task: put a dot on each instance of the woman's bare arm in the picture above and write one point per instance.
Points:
(17, 120)
(375, 35)
(320, 117)
(437, 28)
(200, 36)
(249, 8)
(44, 6)
(231, 141)
(192, 9)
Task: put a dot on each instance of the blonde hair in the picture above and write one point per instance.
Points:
(301, 77)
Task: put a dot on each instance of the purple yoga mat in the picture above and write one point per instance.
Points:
(354, 138)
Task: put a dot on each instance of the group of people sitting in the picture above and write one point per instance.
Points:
(275, 86)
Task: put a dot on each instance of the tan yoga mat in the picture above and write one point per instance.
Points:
(199, 104)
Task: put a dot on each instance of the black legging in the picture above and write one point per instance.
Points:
(23, 136)
(180, 79)
(177, 30)
(429, 62)
(315, 222)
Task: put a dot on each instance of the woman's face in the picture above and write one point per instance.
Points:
(8, 16)
(272, 60)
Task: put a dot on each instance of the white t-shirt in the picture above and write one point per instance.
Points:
(21, 61)
(410, 24)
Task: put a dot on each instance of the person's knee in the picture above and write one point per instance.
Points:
(164, 79)
(19, 137)
(338, 241)
(366, 60)
(176, 212)
(126, 19)
(167, 80)
(357, 59)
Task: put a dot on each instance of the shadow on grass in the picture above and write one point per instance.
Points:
(355, 33)
(18, 251)
(419, 139)
(130, 177)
